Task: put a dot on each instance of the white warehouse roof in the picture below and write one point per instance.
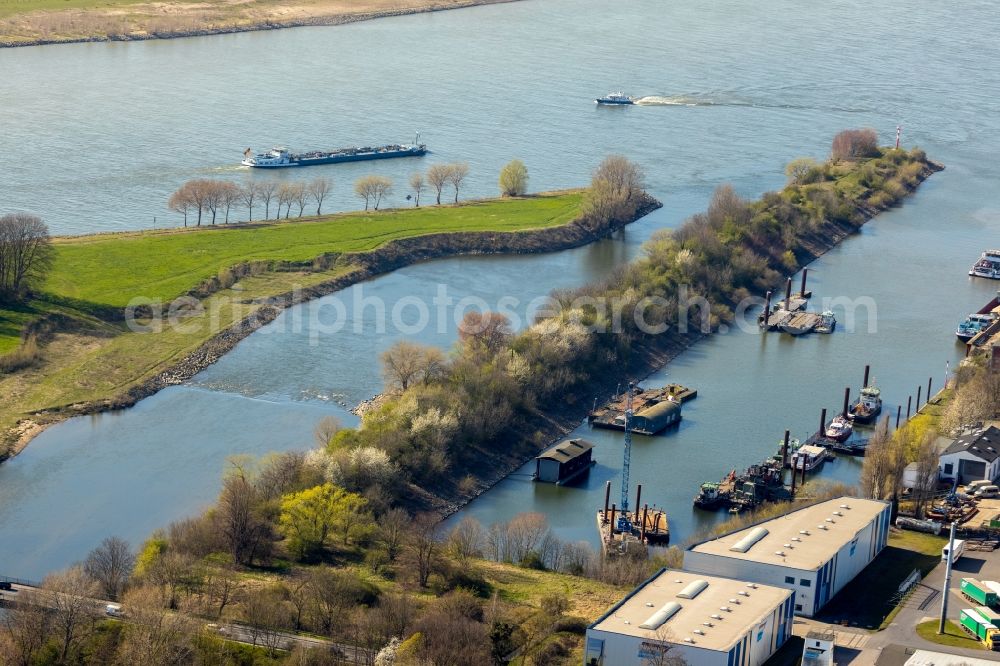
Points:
(804, 539)
(707, 612)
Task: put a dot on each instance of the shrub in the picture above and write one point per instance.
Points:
(25, 356)
(855, 144)
(571, 625)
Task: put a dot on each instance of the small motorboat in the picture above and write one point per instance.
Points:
(839, 429)
(711, 496)
(615, 99)
(988, 265)
(973, 324)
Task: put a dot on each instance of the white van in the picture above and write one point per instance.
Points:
(973, 486)
(114, 610)
(987, 491)
(959, 549)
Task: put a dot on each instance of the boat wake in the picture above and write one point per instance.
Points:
(728, 100)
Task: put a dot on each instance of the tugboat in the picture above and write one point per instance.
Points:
(280, 158)
(827, 323)
(839, 429)
(867, 408)
(988, 265)
(616, 98)
(973, 324)
(711, 496)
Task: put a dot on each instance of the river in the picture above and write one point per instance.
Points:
(99, 134)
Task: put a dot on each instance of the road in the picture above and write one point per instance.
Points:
(228, 630)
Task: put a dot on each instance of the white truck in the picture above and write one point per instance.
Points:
(957, 554)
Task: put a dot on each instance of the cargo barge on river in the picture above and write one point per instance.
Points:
(654, 410)
(281, 158)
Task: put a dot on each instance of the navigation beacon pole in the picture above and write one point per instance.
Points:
(947, 580)
(899, 129)
(624, 524)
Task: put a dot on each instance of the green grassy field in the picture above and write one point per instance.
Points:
(110, 270)
(90, 358)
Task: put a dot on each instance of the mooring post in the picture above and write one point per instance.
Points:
(847, 400)
(788, 294)
(919, 389)
(611, 526)
(794, 473)
(909, 406)
(638, 498)
(645, 514)
(767, 310)
(930, 381)
(899, 412)
(822, 423)
(607, 498)
(867, 368)
(784, 451)
(805, 272)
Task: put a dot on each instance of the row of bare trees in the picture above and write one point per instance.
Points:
(202, 197)
(438, 177)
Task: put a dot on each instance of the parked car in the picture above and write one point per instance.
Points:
(6, 586)
(987, 491)
(972, 486)
(114, 610)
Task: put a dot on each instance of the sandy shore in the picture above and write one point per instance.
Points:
(170, 20)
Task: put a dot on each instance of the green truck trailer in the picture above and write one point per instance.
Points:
(980, 628)
(977, 592)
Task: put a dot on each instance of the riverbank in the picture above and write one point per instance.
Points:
(93, 363)
(43, 22)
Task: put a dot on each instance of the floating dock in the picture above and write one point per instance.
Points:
(654, 410)
(790, 314)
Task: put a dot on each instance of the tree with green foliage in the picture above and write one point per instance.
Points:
(514, 179)
(799, 170)
(309, 517)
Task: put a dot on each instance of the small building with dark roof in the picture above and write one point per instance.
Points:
(972, 457)
(564, 461)
(655, 418)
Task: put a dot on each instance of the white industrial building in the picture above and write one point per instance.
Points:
(972, 457)
(706, 620)
(814, 551)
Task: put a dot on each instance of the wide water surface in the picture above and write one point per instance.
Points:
(102, 134)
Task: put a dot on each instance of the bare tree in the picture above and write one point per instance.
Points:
(286, 197)
(417, 185)
(267, 191)
(514, 179)
(877, 470)
(300, 195)
(237, 515)
(660, 650)
(69, 594)
(854, 144)
(319, 189)
(249, 194)
(229, 195)
(615, 191)
(110, 564)
(927, 472)
(25, 628)
(153, 635)
(489, 330)
(466, 539)
(213, 197)
(373, 189)
(25, 254)
(180, 202)
(456, 175)
(266, 614)
(438, 176)
(392, 531)
(423, 546)
(406, 362)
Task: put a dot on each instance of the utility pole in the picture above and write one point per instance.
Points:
(947, 580)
